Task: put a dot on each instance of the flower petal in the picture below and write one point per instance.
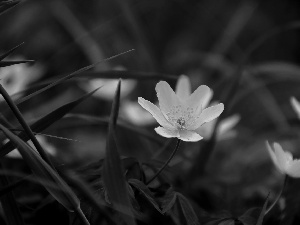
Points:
(166, 132)
(295, 105)
(183, 88)
(166, 97)
(281, 156)
(200, 98)
(207, 115)
(293, 169)
(187, 135)
(155, 112)
(228, 123)
(272, 155)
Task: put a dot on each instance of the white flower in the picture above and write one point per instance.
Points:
(181, 114)
(296, 105)
(284, 160)
(16, 77)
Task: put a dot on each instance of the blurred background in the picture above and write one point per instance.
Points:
(204, 40)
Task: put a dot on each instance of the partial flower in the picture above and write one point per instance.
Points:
(296, 106)
(17, 77)
(284, 160)
(107, 91)
(180, 114)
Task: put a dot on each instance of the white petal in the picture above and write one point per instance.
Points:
(183, 88)
(281, 156)
(293, 169)
(272, 155)
(295, 105)
(191, 136)
(166, 97)
(207, 115)
(166, 132)
(155, 112)
(200, 98)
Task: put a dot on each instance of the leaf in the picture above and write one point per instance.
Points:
(143, 189)
(262, 213)
(59, 189)
(187, 210)
(46, 121)
(113, 172)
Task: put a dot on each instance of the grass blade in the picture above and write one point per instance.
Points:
(113, 171)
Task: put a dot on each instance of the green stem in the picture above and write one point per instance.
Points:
(166, 163)
(26, 127)
(279, 195)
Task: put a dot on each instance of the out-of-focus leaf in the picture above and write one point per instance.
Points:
(187, 210)
(9, 204)
(113, 171)
(60, 190)
(46, 121)
(10, 63)
(143, 189)
(6, 5)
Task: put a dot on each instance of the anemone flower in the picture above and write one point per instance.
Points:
(284, 160)
(180, 114)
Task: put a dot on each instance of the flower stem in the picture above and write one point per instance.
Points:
(166, 163)
(279, 195)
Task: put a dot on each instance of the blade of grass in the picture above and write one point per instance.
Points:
(46, 121)
(113, 171)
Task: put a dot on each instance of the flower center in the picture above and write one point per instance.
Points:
(181, 117)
